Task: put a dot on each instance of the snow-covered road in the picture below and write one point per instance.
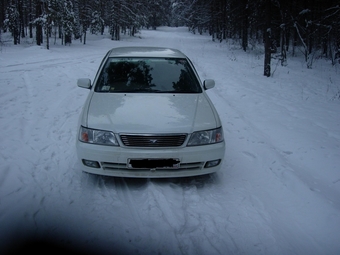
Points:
(277, 193)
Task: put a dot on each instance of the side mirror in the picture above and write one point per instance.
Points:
(84, 83)
(208, 84)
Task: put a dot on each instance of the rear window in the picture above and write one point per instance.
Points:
(148, 75)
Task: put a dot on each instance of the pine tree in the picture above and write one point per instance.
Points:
(12, 22)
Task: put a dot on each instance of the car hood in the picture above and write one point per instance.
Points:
(151, 113)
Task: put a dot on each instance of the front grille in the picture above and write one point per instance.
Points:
(153, 140)
(110, 166)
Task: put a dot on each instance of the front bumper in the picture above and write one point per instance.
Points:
(113, 161)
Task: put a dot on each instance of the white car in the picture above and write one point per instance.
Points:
(148, 115)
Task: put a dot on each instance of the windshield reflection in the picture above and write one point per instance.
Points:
(143, 75)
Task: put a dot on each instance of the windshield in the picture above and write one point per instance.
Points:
(149, 75)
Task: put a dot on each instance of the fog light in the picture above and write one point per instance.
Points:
(91, 163)
(212, 163)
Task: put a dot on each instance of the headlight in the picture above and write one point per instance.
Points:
(94, 136)
(206, 137)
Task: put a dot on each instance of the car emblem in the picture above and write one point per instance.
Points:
(153, 140)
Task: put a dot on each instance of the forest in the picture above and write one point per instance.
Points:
(284, 28)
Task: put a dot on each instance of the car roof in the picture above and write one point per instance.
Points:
(160, 52)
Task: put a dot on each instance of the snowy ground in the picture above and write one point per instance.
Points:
(278, 191)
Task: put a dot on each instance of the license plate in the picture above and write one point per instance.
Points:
(154, 163)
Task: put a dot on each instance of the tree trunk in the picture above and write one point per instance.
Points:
(30, 19)
(55, 35)
(102, 29)
(245, 26)
(21, 20)
(30, 30)
(283, 34)
(39, 29)
(47, 37)
(39, 34)
(337, 43)
(267, 33)
(15, 35)
(283, 46)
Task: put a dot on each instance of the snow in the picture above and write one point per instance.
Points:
(278, 191)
